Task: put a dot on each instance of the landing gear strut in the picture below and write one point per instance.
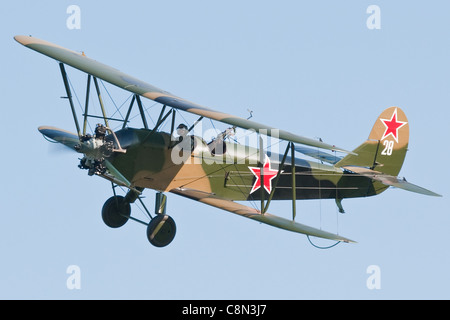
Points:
(161, 229)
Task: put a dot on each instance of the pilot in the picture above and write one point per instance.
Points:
(183, 141)
(182, 131)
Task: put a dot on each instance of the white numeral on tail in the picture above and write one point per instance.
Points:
(388, 147)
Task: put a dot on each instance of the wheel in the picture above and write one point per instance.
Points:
(116, 211)
(161, 230)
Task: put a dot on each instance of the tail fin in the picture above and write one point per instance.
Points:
(385, 150)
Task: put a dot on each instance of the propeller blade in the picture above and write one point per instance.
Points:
(64, 137)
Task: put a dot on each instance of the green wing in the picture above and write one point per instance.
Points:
(251, 213)
(134, 85)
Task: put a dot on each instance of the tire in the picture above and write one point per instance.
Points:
(161, 230)
(116, 211)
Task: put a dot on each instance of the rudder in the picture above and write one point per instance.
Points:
(386, 147)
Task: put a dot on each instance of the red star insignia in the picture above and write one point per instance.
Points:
(268, 176)
(392, 125)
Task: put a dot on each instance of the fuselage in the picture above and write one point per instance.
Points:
(157, 161)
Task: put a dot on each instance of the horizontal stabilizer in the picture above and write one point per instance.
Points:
(389, 180)
(318, 154)
(251, 213)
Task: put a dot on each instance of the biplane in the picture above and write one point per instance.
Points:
(220, 173)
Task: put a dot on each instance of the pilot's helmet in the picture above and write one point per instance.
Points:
(182, 129)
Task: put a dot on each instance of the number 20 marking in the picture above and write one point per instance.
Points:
(388, 147)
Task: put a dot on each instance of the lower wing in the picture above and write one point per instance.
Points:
(251, 213)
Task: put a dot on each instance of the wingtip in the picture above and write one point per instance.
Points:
(345, 240)
(23, 39)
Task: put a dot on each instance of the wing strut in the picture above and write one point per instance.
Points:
(86, 105)
(261, 171)
(69, 96)
(128, 112)
(137, 99)
(172, 128)
(100, 100)
(294, 187)
(141, 110)
(265, 207)
(276, 179)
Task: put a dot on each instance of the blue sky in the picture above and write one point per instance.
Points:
(312, 68)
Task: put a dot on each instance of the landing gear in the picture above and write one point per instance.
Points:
(161, 229)
(116, 212)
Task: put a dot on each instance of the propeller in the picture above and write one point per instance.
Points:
(66, 138)
(95, 149)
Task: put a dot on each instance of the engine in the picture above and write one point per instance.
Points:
(95, 149)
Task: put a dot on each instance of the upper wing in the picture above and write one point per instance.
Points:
(129, 83)
(251, 213)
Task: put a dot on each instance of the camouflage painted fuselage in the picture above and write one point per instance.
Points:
(155, 161)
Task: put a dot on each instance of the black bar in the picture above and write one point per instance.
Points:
(129, 112)
(274, 186)
(88, 90)
(98, 117)
(294, 190)
(69, 96)
(141, 110)
(261, 171)
(102, 106)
